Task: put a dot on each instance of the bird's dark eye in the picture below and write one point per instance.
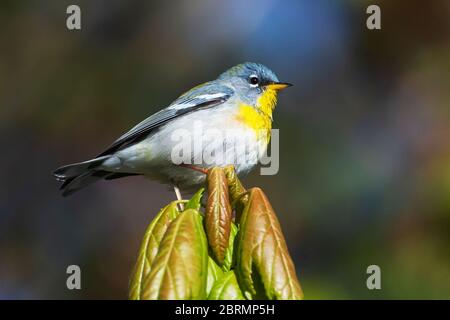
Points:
(254, 80)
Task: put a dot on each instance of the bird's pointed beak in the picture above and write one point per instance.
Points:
(278, 85)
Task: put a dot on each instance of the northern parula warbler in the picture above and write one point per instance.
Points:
(240, 99)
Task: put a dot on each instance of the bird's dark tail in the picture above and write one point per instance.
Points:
(79, 175)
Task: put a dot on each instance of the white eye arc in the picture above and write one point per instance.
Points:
(254, 81)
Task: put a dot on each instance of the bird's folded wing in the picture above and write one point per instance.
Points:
(203, 96)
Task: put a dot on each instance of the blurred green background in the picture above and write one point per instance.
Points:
(365, 154)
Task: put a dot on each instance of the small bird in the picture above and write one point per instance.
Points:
(241, 99)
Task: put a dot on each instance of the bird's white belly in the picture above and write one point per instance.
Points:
(206, 138)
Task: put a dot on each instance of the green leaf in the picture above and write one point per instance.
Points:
(149, 247)
(218, 214)
(262, 255)
(214, 273)
(179, 270)
(228, 259)
(226, 288)
(195, 201)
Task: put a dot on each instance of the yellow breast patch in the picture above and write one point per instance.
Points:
(259, 118)
(267, 101)
(256, 120)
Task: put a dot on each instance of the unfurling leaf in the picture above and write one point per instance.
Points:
(214, 274)
(218, 214)
(238, 194)
(179, 270)
(262, 254)
(149, 247)
(226, 288)
(195, 201)
(234, 184)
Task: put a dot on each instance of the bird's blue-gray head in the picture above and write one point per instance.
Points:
(256, 84)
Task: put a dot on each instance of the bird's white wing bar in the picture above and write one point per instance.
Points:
(198, 100)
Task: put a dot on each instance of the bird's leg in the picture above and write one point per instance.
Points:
(175, 186)
(179, 197)
(177, 192)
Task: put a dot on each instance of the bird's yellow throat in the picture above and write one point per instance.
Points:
(259, 118)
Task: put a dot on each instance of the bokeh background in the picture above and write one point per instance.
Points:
(365, 135)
